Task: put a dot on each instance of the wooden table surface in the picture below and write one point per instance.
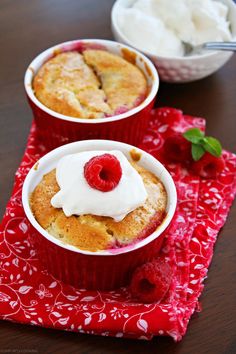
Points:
(27, 28)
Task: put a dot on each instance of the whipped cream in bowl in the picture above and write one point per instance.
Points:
(160, 29)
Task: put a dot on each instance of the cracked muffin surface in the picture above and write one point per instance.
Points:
(93, 84)
(94, 233)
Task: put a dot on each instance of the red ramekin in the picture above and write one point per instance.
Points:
(57, 129)
(106, 269)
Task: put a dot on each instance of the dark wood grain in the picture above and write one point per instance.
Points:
(28, 27)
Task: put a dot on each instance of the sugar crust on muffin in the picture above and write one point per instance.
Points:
(94, 233)
(93, 84)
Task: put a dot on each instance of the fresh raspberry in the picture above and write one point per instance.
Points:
(103, 172)
(177, 148)
(169, 115)
(208, 166)
(151, 281)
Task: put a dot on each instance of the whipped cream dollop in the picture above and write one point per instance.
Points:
(76, 197)
(161, 26)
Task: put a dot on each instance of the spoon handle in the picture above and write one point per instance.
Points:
(231, 46)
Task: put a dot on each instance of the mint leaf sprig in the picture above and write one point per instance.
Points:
(202, 144)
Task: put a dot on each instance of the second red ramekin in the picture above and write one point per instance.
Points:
(106, 269)
(56, 129)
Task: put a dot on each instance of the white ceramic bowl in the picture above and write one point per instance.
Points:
(180, 69)
(64, 260)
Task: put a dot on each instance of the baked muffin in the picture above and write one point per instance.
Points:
(91, 84)
(96, 232)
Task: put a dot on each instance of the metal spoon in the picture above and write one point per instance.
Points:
(192, 50)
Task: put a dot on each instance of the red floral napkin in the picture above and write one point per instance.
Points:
(30, 295)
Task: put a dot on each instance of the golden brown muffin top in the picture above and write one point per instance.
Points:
(93, 84)
(91, 232)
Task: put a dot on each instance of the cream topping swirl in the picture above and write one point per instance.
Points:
(76, 197)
